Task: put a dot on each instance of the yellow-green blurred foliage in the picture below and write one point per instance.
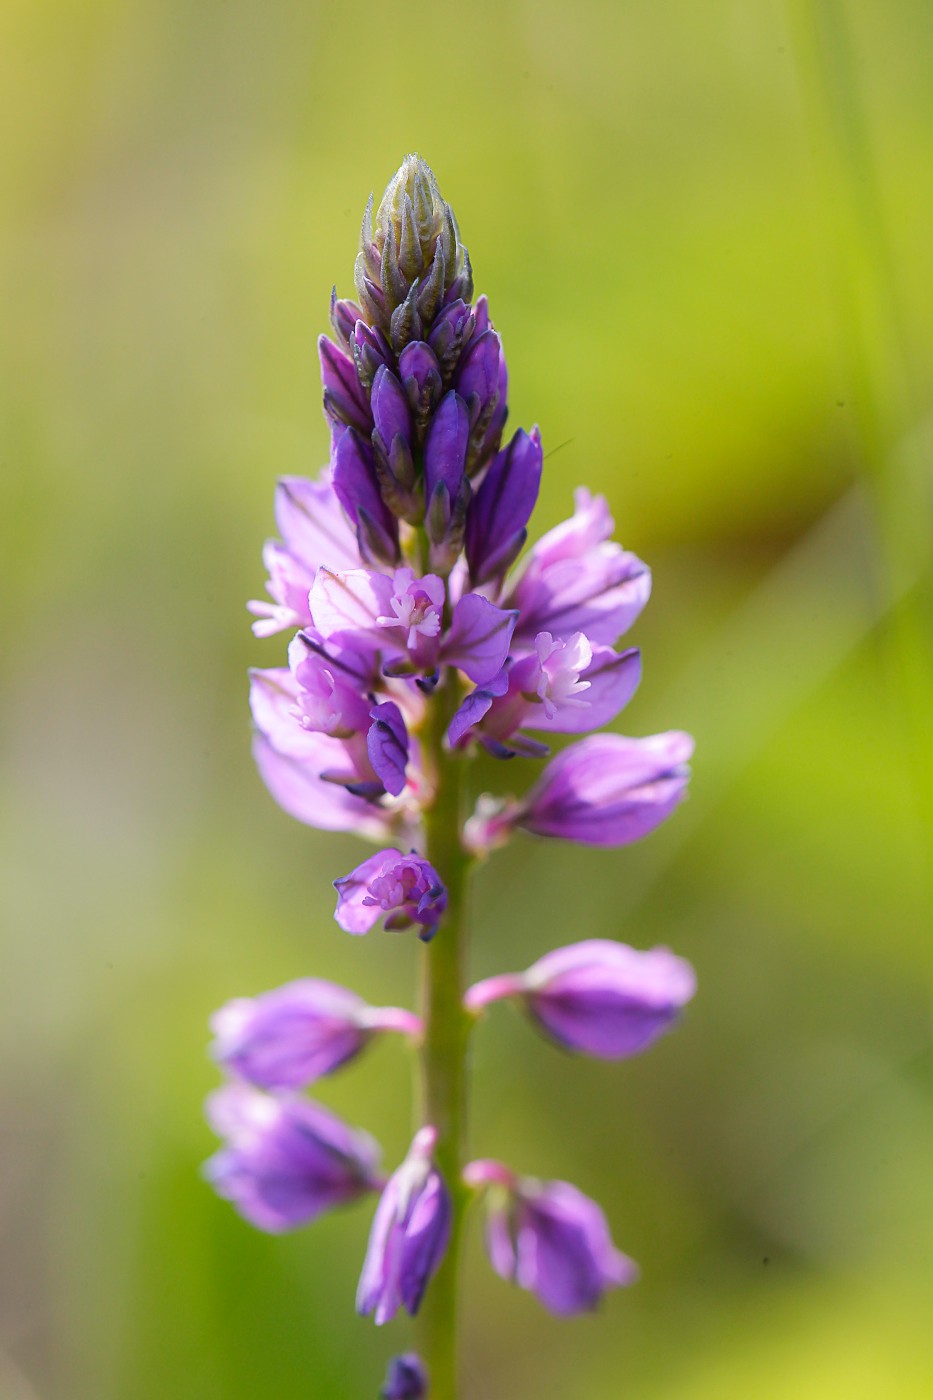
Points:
(704, 230)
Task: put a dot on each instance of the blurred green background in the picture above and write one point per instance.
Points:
(705, 235)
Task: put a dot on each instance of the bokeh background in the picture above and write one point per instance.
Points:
(705, 235)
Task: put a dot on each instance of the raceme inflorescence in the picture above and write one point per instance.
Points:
(419, 636)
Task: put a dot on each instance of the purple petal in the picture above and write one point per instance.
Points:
(609, 790)
(387, 745)
(297, 786)
(476, 705)
(350, 601)
(607, 999)
(565, 1253)
(479, 638)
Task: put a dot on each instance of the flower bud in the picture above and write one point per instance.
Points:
(410, 255)
(287, 1159)
(406, 1380)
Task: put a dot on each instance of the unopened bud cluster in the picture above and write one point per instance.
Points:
(395, 572)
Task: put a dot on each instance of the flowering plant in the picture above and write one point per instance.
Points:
(416, 641)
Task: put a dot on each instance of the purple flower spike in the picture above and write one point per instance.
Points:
(598, 997)
(551, 1239)
(296, 1034)
(405, 889)
(286, 1160)
(407, 1379)
(502, 506)
(609, 790)
(409, 1235)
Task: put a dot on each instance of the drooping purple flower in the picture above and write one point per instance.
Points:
(407, 1379)
(607, 790)
(549, 1238)
(287, 1159)
(577, 579)
(501, 508)
(404, 890)
(598, 997)
(299, 784)
(296, 1034)
(409, 1236)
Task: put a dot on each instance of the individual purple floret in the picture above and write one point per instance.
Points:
(549, 1238)
(289, 1037)
(409, 1236)
(607, 790)
(407, 1379)
(286, 1160)
(401, 616)
(405, 890)
(598, 997)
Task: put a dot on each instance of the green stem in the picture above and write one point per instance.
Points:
(443, 1060)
